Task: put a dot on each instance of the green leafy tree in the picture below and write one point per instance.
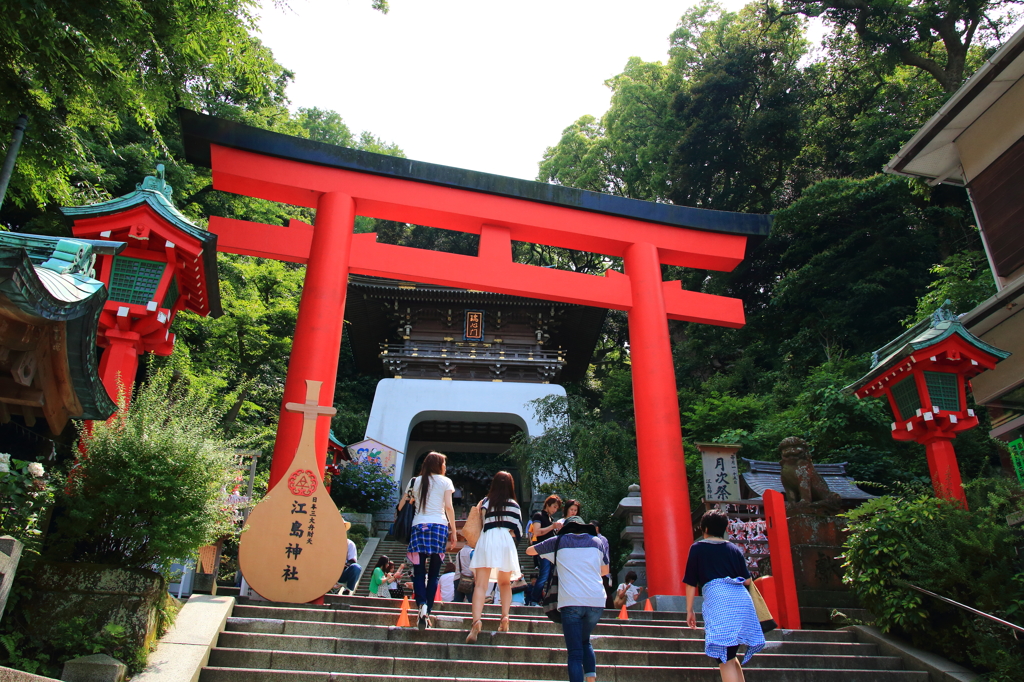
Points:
(964, 279)
(738, 110)
(579, 454)
(935, 36)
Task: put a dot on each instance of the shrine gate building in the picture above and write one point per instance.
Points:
(461, 367)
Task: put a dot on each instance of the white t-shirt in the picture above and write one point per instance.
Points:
(580, 559)
(632, 591)
(447, 585)
(465, 561)
(351, 556)
(432, 509)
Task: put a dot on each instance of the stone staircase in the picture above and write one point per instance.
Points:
(355, 638)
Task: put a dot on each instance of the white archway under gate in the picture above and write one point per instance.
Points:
(401, 404)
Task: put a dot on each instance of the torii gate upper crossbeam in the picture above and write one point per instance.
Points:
(341, 183)
(492, 270)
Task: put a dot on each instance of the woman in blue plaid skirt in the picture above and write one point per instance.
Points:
(719, 569)
(433, 530)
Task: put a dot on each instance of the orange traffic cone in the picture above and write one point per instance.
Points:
(403, 617)
(622, 614)
(647, 606)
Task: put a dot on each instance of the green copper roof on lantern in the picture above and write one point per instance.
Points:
(154, 191)
(942, 324)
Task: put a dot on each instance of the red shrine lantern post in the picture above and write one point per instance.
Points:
(922, 374)
(341, 183)
(168, 266)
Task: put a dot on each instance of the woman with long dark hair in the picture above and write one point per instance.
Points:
(433, 530)
(571, 508)
(495, 556)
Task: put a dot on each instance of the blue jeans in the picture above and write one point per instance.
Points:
(544, 571)
(350, 576)
(577, 624)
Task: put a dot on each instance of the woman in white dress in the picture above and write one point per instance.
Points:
(495, 556)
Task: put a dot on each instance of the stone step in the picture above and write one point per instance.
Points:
(607, 674)
(455, 632)
(393, 606)
(517, 624)
(546, 664)
(503, 646)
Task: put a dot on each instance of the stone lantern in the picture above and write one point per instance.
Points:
(169, 265)
(630, 508)
(922, 374)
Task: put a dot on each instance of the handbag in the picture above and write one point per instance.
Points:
(764, 616)
(518, 586)
(550, 601)
(619, 600)
(473, 526)
(401, 529)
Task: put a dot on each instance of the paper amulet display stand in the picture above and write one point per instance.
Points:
(295, 545)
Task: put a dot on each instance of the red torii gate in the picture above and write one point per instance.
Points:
(341, 183)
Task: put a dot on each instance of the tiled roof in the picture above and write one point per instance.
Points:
(29, 281)
(768, 476)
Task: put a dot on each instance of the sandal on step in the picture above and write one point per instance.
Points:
(503, 625)
(474, 631)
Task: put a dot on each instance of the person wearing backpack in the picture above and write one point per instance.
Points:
(580, 560)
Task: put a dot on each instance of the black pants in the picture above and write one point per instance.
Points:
(424, 579)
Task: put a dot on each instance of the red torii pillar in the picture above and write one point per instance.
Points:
(331, 252)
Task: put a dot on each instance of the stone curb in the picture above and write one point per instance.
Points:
(364, 558)
(12, 675)
(938, 668)
(185, 649)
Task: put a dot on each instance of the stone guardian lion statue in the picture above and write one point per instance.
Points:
(799, 478)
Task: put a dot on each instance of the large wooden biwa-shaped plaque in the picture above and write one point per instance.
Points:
(295, 545)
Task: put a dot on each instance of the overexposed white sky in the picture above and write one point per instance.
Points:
(475, 84)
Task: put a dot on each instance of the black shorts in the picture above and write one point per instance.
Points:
(730, 653)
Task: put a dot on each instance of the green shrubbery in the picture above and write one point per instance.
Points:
(151, 488)
(968, 556)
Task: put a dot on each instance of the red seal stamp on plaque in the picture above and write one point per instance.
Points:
(302, 482)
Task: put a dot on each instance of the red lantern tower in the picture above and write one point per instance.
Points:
(169, 265)
(922, 373)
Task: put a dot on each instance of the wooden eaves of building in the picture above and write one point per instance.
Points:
(50, 303)
(976, 140)
(421, 331)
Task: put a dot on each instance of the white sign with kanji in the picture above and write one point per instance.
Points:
(721, 473)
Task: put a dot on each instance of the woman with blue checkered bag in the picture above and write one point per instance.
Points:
(433, 530)
(719, 569)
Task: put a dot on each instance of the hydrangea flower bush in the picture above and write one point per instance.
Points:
(25, 493)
